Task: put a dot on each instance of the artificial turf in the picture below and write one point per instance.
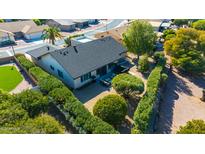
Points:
(9, 78)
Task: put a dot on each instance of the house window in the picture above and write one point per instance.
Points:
(60, 73)
(85, 77)
(52, 67)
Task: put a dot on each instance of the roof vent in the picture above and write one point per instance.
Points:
(75, 49)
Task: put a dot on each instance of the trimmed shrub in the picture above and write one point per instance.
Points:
(193, 127)
(144, 111)
(82, 119)
(111, 108)
(33, 102)
(38, 73)
(60, 95)
(49, 83)
(72, 108)
(126, 84)
(143, 64)
(25, 62)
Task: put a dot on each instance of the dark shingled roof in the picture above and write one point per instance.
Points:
(40, 51)
(86, 57)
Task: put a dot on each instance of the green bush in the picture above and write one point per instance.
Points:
(5, 96)
(143, 113)
(37, 21)
(111, 108)
(72, 108)
(60, 95)
(45, 124)
(33, 102)
(168, 32)
(199, 25)
(143, 64)
(11, 113)
(25, 62)
(49, 83)
(193, 127)
(81, 118)
(38, 73)
(159, 57)
(126, 84)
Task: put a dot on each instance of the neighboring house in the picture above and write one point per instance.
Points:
(23, 29)
(63, 24)
(67, 25)
(30, 32)
(117, 33)
(81, 23)
(6, 38)
(80, 64)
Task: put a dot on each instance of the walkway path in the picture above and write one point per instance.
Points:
(181, 102)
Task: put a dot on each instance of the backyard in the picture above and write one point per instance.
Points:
(9, 78)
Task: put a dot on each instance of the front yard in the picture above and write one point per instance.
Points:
(9, 77)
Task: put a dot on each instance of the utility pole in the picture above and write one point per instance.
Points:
(11, 45)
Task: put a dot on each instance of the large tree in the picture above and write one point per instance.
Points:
(181, 22)
(186, 50)
(200, 25)
(33, 102)
(51, 34)
(193, 127)
(140, 38)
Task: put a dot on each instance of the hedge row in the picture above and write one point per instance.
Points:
(25, 63)
(69, 105)
(144, 111)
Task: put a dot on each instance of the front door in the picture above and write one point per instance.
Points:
(102, 71)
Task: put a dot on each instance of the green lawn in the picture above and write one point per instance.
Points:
(9, 78)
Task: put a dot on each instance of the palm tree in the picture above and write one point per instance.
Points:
(67, 42)
(51, 33)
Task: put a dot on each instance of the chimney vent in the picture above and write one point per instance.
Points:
(75, 49)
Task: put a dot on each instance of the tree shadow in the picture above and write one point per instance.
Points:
(198, 80)
(174, 87)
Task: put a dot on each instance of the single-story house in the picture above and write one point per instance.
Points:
(6, 38)
(23, 29)
(117, 33)
(63, 24)
(81, 23)
(30, 32)
(80, 64)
